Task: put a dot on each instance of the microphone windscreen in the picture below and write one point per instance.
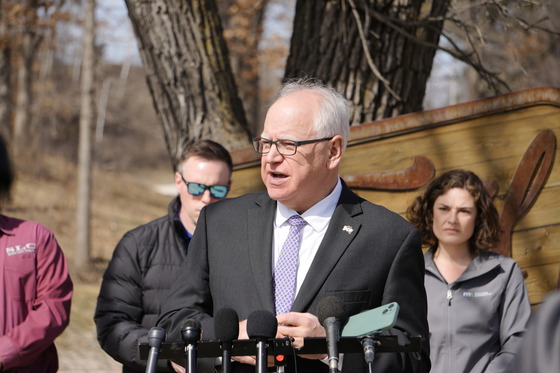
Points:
(190, 323)
(261, 324)
(226, 324)
(331, 307)
(155, 335)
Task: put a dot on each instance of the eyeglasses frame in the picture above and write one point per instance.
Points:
(296, 143)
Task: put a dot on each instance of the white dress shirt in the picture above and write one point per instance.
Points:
(317, 218)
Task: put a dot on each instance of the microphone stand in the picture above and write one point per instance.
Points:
(369, 351)
(332, 327)
(262, 356)
(191, 335)
(191, 358)
(226, 357)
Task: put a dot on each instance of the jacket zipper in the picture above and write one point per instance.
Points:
(449, 333)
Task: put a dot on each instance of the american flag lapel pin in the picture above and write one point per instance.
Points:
(348, 229)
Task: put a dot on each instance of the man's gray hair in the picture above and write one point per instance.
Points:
(333, 118)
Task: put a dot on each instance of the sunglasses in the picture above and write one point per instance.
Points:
(197, 189)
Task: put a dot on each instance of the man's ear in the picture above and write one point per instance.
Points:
(178, 181)
(335, 150)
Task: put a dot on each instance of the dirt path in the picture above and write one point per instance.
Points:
(78, 350)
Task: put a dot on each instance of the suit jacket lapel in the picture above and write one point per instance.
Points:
(259, 240)
(342, 229)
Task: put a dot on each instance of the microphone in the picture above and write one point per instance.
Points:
(155, 336)
(262, 326)
(191, 333)
(226, 328)
(332, 315)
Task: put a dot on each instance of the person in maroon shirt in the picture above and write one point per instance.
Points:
(35, 289)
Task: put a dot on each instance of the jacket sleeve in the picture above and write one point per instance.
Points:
(405, 285)
(48, 307)
(119, 312)
(515, 312)
(541, 343)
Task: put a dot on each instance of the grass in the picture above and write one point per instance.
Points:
(45, 191)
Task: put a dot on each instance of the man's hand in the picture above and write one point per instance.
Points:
(251, 360)
(298, 326)
(177, 368)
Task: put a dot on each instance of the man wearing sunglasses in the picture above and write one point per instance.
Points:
(146, 261)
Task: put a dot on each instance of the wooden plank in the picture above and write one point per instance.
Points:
(536, 247)
(541, 280)
(421, 121)
(246, 180)
(460, 145)
(545, 211)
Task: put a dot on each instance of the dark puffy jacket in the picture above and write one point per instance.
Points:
(135, 285)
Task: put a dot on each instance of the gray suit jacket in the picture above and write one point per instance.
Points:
(376, 262)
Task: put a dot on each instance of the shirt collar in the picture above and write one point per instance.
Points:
(6, 225)
(318, 216)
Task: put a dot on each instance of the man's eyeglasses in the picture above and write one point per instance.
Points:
(284, 147)
(197, 189)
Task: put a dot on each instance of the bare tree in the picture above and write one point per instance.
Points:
(243, 28)
(181, 43)
(509, 44)
(23, 26)
(5, 73)
(188, 72)
(26, 57)
(87, 107)
(378, 52)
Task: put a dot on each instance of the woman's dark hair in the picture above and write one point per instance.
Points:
(487, 225)
(6, 172)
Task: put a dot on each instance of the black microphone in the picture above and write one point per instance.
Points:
(191, 333)
(155, 336)
(332, 315)
(226, 328)
(262, 326)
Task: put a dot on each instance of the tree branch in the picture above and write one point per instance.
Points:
(369, 59)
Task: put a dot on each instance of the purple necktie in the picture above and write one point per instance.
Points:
(286, 267)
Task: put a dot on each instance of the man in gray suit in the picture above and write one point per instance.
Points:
(349, 248)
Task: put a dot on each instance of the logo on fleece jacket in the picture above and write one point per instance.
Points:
(21, 249)
(476, 294)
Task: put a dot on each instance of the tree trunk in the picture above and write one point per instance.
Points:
(188, 72)
(84, 146)
(26, 56)
(370, 55)
(243, 23)
(5, 84)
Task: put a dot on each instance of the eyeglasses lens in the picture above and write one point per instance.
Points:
(216, 191)
(196, 189)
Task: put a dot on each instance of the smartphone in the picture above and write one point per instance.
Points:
(371, 321)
